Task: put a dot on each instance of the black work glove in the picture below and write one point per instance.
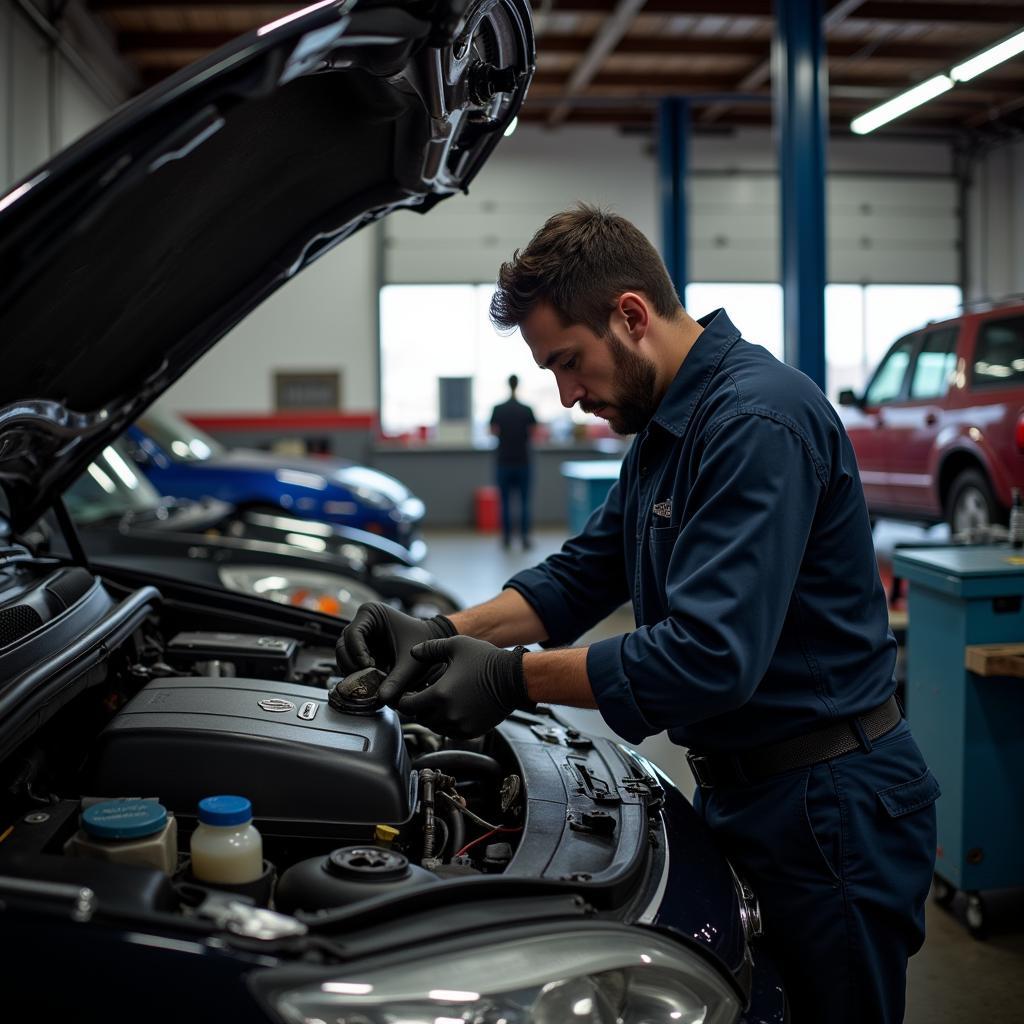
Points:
(380, 636)
(479, 687)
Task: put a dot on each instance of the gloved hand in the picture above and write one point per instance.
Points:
(381, 636)
(481, 684)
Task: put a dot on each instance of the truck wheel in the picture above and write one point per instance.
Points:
(977, 917)
(971, 504)
(942, 891)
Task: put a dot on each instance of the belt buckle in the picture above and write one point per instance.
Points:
(695, 761)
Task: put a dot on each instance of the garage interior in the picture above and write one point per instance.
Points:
(824, 242)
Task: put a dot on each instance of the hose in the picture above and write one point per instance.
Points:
(461, 762)
(456, 829)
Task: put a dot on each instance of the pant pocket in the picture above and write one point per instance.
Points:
(824, 819)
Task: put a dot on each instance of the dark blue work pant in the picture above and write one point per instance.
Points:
(840, 856)
(513, 478)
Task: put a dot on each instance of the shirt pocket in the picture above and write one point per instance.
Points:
(661, 541)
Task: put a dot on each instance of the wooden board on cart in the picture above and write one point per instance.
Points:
(995, 659)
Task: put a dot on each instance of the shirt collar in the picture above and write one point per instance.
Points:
(695, 371)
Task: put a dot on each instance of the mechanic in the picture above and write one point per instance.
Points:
(739, 531)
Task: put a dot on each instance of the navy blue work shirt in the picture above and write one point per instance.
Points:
(739, 530)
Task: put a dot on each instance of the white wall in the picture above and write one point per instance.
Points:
(324, 319)
(883, 226)
(45, 102)
(995, 208)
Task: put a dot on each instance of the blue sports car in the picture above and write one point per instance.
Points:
(183, 462)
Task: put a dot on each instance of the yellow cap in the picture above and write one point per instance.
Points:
(385, 833)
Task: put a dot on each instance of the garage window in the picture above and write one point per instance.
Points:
(999, 356)
(430, 333)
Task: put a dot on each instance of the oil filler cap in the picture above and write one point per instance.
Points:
(356, 694)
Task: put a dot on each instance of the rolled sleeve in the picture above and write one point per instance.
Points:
(613, 693)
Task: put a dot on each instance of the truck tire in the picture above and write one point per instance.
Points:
(972, 503)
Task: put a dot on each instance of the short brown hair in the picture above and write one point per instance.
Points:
(580, 261)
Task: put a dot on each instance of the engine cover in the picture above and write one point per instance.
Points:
(279, 744)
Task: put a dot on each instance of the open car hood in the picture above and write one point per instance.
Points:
(133, 251)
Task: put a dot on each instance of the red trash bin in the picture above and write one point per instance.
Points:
(487, 507)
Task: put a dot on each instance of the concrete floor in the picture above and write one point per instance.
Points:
(954, 979)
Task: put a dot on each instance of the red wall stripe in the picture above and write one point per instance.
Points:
(284, 421)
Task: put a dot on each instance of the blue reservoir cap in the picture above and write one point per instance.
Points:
(124, 819)
(225, 810)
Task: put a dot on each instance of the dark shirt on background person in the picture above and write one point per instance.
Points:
(513, 423)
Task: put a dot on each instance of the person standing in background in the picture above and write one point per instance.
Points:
(512, 423)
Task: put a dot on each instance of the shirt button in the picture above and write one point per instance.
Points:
(643, 471)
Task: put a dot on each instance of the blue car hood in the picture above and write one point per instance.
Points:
(337, 471)
(137, 248)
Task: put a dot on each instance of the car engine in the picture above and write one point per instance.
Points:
(118, 693)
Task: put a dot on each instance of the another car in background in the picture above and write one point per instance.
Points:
(939, 430)
(123, 520)
(184, 462)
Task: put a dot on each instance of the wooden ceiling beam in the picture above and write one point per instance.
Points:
(877, 10)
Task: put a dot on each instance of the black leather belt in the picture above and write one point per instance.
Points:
(711, 770)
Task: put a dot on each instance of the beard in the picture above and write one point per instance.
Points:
(634, 401)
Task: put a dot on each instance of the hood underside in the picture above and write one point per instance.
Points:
(132, 252)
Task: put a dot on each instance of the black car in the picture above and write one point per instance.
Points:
(536, 875)
(122, 520)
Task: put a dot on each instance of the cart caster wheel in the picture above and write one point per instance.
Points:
(977, 917)
(942, 891)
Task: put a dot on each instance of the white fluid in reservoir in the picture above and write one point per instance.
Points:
(225, 846)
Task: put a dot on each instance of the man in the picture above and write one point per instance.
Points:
(512, 422)
(739, 531)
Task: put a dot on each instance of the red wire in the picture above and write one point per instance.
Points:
(486, 835)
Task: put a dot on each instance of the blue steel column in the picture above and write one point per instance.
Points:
(673, 138)
(800, 89)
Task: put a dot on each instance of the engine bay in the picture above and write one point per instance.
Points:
(118, 692)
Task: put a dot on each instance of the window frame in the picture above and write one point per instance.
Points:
(925, 335)
(982, 385)
(914, 337)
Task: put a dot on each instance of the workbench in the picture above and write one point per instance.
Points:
(970, 726)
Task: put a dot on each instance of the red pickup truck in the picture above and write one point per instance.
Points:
(939, 430)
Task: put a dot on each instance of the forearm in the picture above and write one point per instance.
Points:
(559, 677)
(503, 621)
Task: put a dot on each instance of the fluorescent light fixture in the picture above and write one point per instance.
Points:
(511, 126)
(989, 58)
(898, 105)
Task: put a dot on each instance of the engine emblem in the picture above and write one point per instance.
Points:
(308, 710)
(276, 704)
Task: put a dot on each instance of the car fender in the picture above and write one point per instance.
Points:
(955, 448)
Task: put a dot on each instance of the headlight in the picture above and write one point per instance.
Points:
(412, 509)
(605, 975)
(300, 588)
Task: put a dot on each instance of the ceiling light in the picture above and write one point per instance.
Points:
(989, 58)
(898, 105)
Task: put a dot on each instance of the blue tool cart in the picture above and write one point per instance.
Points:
(970, 725)
(589, 484)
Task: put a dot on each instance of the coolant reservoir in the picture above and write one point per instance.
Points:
(225, 846)
(127, 832)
